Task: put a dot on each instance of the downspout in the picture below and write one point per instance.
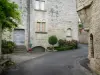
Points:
(0, 39)
(28, 22)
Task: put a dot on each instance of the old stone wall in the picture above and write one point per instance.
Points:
(83, 37)
(22, 4)
(59, 17)
(92, 18)
(62, 15)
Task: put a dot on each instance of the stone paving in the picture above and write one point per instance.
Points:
(22, 57)
(56, 63)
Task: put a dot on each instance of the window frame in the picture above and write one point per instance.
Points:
(40, 5)
(40, 27)
(69, 32)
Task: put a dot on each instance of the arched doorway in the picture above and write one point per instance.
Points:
(91, 46)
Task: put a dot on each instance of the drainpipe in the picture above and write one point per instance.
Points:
(28, 22)
(0, 39)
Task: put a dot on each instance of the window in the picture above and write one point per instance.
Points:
(69, 32)
(41, 27)
(40, 5)
(37, 4)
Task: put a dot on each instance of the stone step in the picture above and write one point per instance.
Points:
(20, 49)
(21, 46)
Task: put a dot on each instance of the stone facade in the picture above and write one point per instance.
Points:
(89, 13)
(59, 16)
(23, 9)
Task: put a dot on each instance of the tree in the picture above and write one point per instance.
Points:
(52, 40)
(9, 15)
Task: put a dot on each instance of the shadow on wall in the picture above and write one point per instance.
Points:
(91, 45)
(38, 49)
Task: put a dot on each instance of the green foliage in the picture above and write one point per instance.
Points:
(80, 25)
(61, 42)
(52, 40)
(7, 47)
(66, 45)
(9, 14)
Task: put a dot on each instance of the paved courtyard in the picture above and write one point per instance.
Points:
(56, 63)
(22, 57)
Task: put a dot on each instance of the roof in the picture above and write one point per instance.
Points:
(81, 4)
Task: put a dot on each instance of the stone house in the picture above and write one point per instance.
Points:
(83, 34)
(89, 13)
(43, 18)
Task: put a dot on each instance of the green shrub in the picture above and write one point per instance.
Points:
(66, 45)
(61, 42)
(7, 47)
(52, 40)
(60, 48)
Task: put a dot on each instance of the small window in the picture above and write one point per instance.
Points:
(37, 4)
(69, 32)
(41, 27)
(40, 5)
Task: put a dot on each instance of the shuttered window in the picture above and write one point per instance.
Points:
(41, 27)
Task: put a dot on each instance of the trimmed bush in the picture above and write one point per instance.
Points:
(52, 40)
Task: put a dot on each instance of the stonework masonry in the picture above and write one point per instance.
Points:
(23, 9)
(83, 37)
(59, 17)
(89, 13)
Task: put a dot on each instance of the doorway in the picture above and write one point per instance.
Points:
(91, 45)
(19, 36)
